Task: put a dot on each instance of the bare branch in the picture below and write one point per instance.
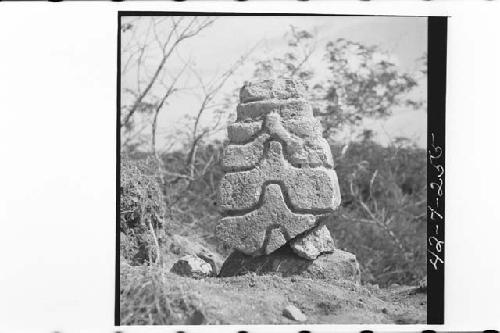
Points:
(167, 94)
(185, 34)
(210, 93)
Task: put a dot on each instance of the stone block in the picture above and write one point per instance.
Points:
(312, 150)
(338, 265)
(287, 109)
(243, 132)
(304, 127)
(266, 227)
(246, 156)
(313, 190)
(269, 89)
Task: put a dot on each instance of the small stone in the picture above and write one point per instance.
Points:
(182, 246)
(314, 243)
(293, 313)
(192, 266)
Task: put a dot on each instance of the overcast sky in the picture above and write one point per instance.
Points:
(229, 37)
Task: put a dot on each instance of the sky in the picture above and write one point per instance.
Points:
(228, 38)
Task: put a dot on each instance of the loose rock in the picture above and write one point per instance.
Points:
(292, 312)
(192, 266)
(182, 246)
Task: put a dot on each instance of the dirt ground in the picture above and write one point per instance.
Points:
(156, 296)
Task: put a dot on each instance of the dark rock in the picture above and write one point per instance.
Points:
(338, 265)
(197, 318)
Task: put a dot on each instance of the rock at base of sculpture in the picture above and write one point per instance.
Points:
(315, 242)
(338, 265)
(192, 266)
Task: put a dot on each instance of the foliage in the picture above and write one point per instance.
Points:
(366, 79)
(362, 81)
(383, 214)
(193, 201)
(142, 211)
(293, 63)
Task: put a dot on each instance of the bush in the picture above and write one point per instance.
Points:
(382, 218)
(142, 211)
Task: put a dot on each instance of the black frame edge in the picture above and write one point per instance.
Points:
(436, 99)
(117, 198)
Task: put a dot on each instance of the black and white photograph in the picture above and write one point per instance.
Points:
(273, 169)
(249, 166)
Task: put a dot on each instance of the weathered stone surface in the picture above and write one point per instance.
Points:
(237, 157)
(243, 132)
(287, 109)
(293, 313)
(279, 177)
(265, 228)
(315, 242)
(312, 190)
(310, 151)
(304, 127)
(268, 89)
(192, 266)
(338, 265)
(182, 246)
(301, 149)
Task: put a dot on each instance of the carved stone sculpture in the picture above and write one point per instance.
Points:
(279, 178)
